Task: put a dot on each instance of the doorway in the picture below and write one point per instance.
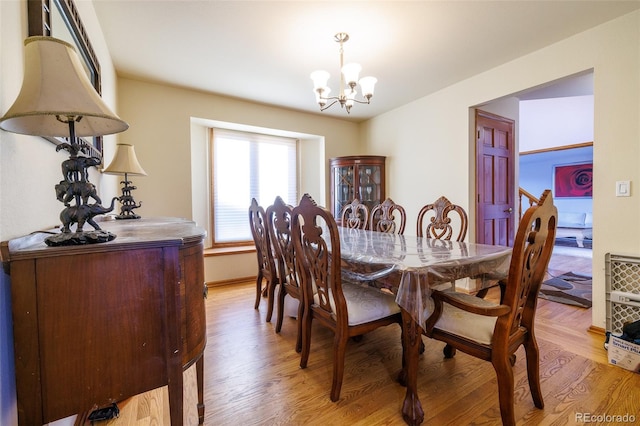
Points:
(550, 128)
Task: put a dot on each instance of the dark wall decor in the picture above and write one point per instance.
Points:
(573, 180)
(43, 16)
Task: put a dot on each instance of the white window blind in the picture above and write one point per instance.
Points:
(245, 166)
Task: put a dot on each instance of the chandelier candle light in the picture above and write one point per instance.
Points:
(348, 83)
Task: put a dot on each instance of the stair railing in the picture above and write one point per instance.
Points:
(530, 197)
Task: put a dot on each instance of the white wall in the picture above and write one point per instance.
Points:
(430, 137)
(166, 129)
(30, 168)
(556, 122)
(548, 123)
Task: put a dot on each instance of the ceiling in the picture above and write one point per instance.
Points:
(264, 51)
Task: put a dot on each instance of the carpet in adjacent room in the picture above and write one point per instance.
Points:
(569, 288)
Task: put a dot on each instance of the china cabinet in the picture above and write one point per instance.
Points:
(361, 176)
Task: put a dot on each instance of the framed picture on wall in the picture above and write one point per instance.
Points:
(573, 180)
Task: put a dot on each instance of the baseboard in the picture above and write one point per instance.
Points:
(226, 251)
(231, 281)
(596, 330)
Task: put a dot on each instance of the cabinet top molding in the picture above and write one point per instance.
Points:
(359, 158)
(142, 233)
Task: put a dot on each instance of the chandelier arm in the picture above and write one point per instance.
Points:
(335, 98)
(330, 105)
(366, 101)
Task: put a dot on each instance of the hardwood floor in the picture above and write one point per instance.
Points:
(570, 259)
(252, 375)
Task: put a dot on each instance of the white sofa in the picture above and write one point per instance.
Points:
(575, 224)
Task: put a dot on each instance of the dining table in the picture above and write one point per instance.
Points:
(410, 268)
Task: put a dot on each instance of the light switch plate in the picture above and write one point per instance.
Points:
(623, 188)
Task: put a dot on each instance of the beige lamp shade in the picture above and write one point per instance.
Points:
(125, 161)
(56, 89)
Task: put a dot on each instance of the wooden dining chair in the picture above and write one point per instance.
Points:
(493, 332)
(439, 224)
(442, 220)
(267, 273)
(346, 308)
(355, 215)
(384, 220)
(279, 216)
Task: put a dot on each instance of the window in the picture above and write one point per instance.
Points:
(245, 166)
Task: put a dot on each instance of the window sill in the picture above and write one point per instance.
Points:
(225, 251)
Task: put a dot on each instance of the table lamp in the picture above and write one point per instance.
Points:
(58, 100)
(125, 162)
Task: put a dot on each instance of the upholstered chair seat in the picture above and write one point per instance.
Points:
(464, 323)
(364, 304)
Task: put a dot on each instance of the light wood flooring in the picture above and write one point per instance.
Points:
(252, 375)
(570, 259)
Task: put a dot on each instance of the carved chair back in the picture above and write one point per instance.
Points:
(279, 219)
(264, 250)
(532, 251)
(384, 220)
(439, 224)
(315, 254)
(355, 215)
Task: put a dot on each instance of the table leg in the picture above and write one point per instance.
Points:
(176, 390)
(412, 412)
(200, 379)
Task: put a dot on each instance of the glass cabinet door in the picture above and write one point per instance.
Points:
(360, 177)
(369, 180)
(344, 187)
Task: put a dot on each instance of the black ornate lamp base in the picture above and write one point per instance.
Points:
(74, 191)
(129, 215)
(79, 238)
(128, 203)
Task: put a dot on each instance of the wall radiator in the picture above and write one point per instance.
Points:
(623, 290)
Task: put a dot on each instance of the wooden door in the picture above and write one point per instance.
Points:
(495, 179)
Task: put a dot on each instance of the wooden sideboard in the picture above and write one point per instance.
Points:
(99, 323)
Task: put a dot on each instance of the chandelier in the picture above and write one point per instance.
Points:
(348, 83)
